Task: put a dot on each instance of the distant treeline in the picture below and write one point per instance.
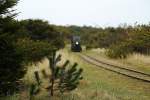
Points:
(119, 41)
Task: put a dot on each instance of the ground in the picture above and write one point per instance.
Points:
(97, 83)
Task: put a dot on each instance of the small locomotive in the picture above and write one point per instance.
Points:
(76, 44)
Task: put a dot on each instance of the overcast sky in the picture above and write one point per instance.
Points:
(86, 12)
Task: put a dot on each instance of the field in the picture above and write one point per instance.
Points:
(135, 61)
(101, 84)
(97, 83)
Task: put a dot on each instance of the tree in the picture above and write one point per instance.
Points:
(6, 8)
(11, 69)
(33, 51)
(22, 43)
(41, 30)
(63, 78)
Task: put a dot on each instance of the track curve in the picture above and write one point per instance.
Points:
(117, 69)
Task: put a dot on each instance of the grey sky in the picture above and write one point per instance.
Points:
(86, 12)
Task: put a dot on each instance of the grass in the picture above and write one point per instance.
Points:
(135, 61)
(13, 97)
(43, 65)
(97, 83)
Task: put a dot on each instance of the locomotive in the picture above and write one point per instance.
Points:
(76, 44)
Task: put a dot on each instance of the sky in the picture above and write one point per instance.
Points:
(101, 13)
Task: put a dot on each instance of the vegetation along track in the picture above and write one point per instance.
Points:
(118, 69)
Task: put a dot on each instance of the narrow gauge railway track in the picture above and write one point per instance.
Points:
(120, 70)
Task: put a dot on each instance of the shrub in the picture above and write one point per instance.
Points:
(11, 68)
(119, 51)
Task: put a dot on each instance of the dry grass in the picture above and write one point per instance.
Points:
(97, 83)
(141, 61)
(43, 65)
(135, 61)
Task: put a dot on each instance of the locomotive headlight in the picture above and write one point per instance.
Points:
(77, 43)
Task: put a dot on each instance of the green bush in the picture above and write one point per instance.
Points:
(121, 50)
(11, 68)
(22, 42)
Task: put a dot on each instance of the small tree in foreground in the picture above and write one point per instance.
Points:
(63, 78)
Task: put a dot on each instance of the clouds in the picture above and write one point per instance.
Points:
(86, 12)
